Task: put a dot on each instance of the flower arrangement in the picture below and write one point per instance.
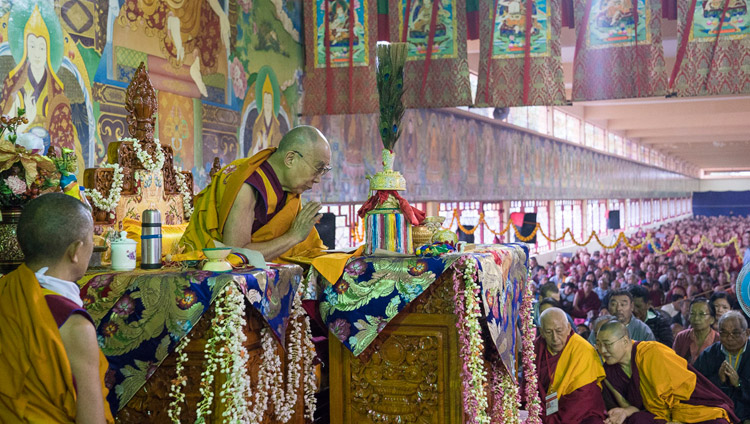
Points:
(533, 404)
(108, 204)
(187, 204)
(145, 158)
(225, 352)
(467, 310)
(24, 175)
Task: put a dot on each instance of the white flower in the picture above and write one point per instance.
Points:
(110, 203)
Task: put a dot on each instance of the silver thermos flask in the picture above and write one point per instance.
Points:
(151, 239)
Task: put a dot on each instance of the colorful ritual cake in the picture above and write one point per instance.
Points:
(388, 229)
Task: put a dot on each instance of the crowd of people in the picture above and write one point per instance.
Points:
(666, 338)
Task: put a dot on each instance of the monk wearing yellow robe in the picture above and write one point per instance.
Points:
(51, 366)
(650, 383)
(254, 203)
(569, 372)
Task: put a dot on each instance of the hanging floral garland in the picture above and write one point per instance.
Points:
(533, 404)
(225, 352)
(146, 159)
(467, 310)
(187, 204)
(110, 203)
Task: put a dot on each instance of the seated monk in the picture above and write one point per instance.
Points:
(254, 203)
(569, 373)
(650, 383)
(51, 366)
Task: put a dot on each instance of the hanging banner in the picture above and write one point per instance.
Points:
(713, 46)
(519, 53)
(437, 71)
(618, 52)
(340, 57)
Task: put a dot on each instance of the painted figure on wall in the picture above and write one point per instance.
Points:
(183, 27)
(33, 85)
(268, 123)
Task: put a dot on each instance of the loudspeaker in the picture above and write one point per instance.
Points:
(327, 229)
(529, 223)
(462, 236)
(613, 220)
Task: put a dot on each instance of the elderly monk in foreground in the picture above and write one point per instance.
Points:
(569, 373)
(650, 383)
(254, 203)
(51, 368)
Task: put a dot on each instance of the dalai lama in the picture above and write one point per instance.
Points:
(254, 203)
(569, 373)
(648, 382)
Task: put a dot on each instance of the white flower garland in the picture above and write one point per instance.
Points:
(110, 203)
(225, 351)
(187, 204)
(146, 160)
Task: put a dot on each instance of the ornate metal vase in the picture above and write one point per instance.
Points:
(10, 251)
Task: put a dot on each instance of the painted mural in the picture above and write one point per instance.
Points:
(449, 155)
(227, 73)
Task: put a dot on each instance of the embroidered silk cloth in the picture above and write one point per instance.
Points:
(519, 53)
(618, 52)
(712, 53)
(339, 66)
(437, 71)
(141, 316)
(373, 290)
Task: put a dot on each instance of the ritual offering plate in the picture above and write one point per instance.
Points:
(216, 259)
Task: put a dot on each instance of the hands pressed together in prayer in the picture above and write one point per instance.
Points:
(619, 415)
(727, 374)
(307, 217)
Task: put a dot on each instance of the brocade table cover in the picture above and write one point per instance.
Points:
(373, 290)
(141, 316)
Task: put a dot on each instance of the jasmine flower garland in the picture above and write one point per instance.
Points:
(467, 310)
(113, 198)
(528, 356)
(175, 390)
(146, 160)
(187, 204)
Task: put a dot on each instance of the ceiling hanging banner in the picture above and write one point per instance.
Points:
(713, 48)
(519, 53)
(619, 52)
(339, 66)
(437, 71)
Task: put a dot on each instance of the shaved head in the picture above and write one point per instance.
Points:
(302, 158)
(613, 343)
(555, 329)
(302, 138)
(613, 328)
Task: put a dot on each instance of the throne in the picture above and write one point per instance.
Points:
(142, 188)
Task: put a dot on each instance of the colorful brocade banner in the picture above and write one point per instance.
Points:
(619, 52)
(340, 69)
(437, 70)
(713, 48)
(519, 57)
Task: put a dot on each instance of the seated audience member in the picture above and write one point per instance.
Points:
(721, 303)
(656, 294)
(549, 302)
(568, 295)
(51, 366)
(597, 324)
(586, 302)
(691, 342)
(684, 312)
(583, 330)
(657, 320)
(648, 383)
(602, 288)
(727, 365)
(621, 306)
(570, 373)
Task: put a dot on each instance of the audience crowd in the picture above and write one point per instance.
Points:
(682, 298)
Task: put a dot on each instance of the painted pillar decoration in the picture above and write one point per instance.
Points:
(437, 71)
(388, 216)
(519, 53)
(618, 53)
(339, 53)
(713, 46)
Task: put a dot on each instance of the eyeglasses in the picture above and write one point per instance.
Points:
(735, 334)
(318, 171)
(608, 346)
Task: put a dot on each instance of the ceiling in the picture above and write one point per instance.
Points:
(712, 133)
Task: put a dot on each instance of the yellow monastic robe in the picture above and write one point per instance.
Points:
(212, 206)
(666, 382)
(579, 365)
(37, 382)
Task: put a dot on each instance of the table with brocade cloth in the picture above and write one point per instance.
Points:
(141, 317)
(393, 342)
